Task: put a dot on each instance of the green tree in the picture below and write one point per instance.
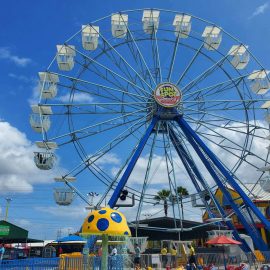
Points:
(163, 195)
(181, 191)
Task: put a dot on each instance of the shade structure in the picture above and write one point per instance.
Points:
(223, 240)
(71, 238)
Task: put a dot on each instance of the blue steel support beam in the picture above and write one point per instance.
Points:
(132, 163)
(189, 163)
(195, 141)
(231, 181)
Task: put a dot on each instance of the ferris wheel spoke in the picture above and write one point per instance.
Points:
(114, 182)
(197, 53)
(99, 107)
(112, 80)
(172, 175)
(96, 125)
(156, 55)
(230, 150)
(232, 121)
(124, 60)
(243, 153)
(139, 53)
(99, 130)
(204, 74)
(134, 78)
(232, 82)
(100, 86)
(175, 48)
(108, 70)
(108, 147)
(213, 128)
(224, 105)
(146, 177)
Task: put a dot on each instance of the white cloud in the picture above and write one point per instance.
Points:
(18, 173)
(260, 10)
(34, 99)
(5, 53)
(109, 158)
(77, 97)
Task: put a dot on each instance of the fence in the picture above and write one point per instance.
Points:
(31, 264)
(125, 262)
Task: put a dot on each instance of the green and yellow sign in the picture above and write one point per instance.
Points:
(4, 230)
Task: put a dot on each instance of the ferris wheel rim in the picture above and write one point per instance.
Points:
(175, 13)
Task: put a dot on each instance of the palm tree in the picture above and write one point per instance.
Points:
(181, 191)
(163, 195)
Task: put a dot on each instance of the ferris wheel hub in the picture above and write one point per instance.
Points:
(167, 95)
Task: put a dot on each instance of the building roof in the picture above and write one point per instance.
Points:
(254, 191)
(159, 229)
(10, 232)
(257, 192)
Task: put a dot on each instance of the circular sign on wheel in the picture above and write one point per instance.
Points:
(167, 95)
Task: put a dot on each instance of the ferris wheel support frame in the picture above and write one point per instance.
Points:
(193, 171)
(202, 151)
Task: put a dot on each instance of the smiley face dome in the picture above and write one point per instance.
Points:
(106, 221)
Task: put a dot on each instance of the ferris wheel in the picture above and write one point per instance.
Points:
(163, 89)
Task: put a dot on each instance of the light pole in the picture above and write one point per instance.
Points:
(7, 207)
(91, 197)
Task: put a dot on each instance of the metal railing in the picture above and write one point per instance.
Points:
(126, 262)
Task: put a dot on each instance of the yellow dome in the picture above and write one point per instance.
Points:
(106, 221)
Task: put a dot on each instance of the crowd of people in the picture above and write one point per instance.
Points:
(169, 257)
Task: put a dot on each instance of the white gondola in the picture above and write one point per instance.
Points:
(212, 37)
(40, 119)
(150, 21)
(267, 117)
(182, 25)
(65, 179)
(239, 56)
(47, 145)
(119, 25)
(265, 184)
(260, 82)
(40, 123)
(42, 109)
(48, 84)
(65, 57)
(44, 160)
(90, 35)
(63, 196)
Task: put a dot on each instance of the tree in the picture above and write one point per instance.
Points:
(163, 195)
(181, 191)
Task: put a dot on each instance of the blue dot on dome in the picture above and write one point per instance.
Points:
(91, 218)
(103, 224)
(125, 233)
(102, 212)
(116, 217)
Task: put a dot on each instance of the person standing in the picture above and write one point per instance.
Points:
(114, 251)
(2, 251)
(192, 259)
(173, 256)
(113, 260)
(137, 257)
(164, 252)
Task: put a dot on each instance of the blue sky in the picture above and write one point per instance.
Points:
(30, 31)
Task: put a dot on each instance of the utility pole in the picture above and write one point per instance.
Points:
(8, 200)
